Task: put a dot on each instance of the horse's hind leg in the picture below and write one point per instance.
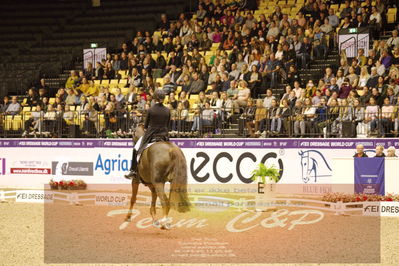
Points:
(135, 188)
(160, 189)
(153, 202)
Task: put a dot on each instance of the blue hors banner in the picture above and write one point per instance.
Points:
(370, 175)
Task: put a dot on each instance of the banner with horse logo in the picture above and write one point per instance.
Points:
(370, 175)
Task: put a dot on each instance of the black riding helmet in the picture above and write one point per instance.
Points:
(159, 95)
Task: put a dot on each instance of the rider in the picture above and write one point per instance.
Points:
(157, 128)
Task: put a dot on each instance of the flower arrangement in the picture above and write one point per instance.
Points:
(345, 198)
(266, 174)
(68, 184)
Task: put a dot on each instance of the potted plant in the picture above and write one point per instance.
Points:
(267, 177)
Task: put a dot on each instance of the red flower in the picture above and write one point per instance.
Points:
(61, 183)
(358, 199)
(56, 183)
(365, 198)
(389, 199)
(71, 184)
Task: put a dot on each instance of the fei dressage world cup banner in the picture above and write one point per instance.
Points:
(370, 175)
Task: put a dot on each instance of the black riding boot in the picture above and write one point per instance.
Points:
(133, 168)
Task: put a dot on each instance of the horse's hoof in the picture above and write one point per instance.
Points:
(124, 225)
(166, 226)
(156, 224)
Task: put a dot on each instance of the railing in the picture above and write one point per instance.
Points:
(342, 121)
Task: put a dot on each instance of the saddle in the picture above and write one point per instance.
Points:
(158, 138)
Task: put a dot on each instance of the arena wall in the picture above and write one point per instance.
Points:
(314, 164)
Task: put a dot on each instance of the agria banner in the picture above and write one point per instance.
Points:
(32, 163)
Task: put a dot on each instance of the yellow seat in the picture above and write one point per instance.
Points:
(114, 81)
(391, 18)
(194, 97)
(191, 101)
(17, 122)
(101, 120)
(105, 82)
(8, 122)
(160, 81)
(121, 86)
(72, 107)
(123, 81)
(112, 90)
(391, 15)
(286, 10)
(178, 89)
(34, 109)
(124, 90)
(123, 73)
(97, 82)
(26, 109)
(334, 6)
(51, 101)
(77, 109)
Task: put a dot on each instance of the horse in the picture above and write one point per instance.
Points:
(310, 165)
(162, 162)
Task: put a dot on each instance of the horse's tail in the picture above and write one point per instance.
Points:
(178, 197)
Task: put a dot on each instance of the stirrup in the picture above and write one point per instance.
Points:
(131, 174)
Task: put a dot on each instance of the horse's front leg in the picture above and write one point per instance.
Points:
(135, 188)
(153, 202)
(160, 189)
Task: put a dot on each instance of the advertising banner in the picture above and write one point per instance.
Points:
(370, 175)
(209, 161)
(384, 208)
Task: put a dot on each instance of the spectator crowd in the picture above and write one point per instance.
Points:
(222, 65)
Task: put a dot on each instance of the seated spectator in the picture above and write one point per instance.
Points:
(391, 152)
(197, 85)
(243, 94)
(4, 105)
(32, 99)
(267, 101)
(68, 115)
(275, 118)
(184, 99)
(71, 98)
(345, 115)
(353, 77)
(387, 115)
(50, 117)
(379, 151)
(70, 83)
(364, 77)
(345, 89)
(90, 123)
(109, 72)
(182, 116)
(14, 107)
(248, 117)
(307, 118)
(310, 89)
(394, 40)
(35, 122)
(203, 117)
(371, 116)
(360, 151)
